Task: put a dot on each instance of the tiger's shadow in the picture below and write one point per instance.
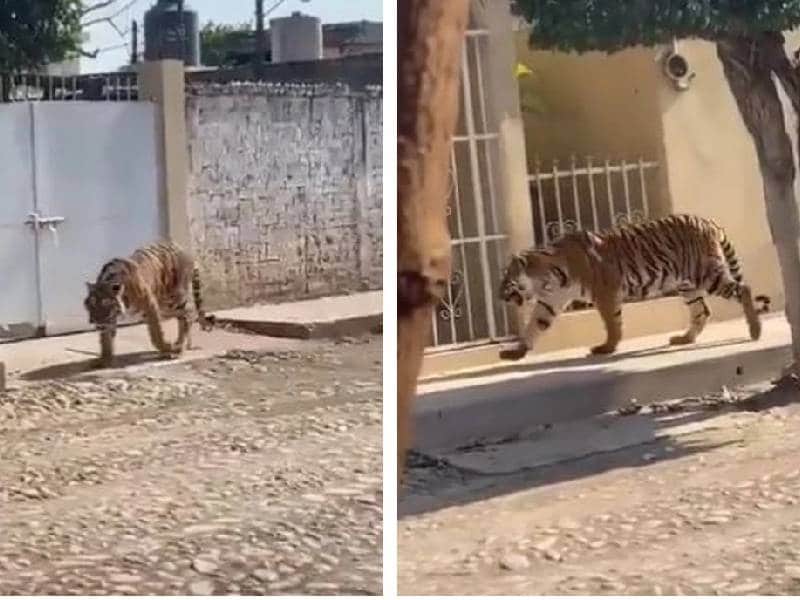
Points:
(90, 367)
(526, 366)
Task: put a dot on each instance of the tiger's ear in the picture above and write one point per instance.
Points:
(590, 242)
(537, 260)
(519, 261)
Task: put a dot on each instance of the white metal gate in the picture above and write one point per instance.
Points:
(594, 195)
(82, 187)
(471, 312)
(19, 304)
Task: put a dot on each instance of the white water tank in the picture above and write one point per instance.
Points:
(295, 38)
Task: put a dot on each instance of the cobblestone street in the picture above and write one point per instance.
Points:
(712, 512)
(250, 473)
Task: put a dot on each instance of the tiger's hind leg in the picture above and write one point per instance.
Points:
(184, 333)
(698, 317)
(184, 341)
(610, 310)
(155, 329)
(725, 286)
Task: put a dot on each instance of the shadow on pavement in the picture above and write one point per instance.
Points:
(70, 369)
(516, 367)
(434, 484)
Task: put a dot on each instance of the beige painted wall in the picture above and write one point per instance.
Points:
(712, 168)
(594, 104)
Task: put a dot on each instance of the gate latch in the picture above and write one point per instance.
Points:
(39, 222)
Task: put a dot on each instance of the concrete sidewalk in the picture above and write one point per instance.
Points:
(273, 327)
(333, 316)
(507, 397)
(68, 355)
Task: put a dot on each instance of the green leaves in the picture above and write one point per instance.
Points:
(34, 32)
(611, 25)
(530, 99)
(220, 42)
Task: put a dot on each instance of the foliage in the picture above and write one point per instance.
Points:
(34, 32)
(612, 25)
(529, 99)
(220, 43)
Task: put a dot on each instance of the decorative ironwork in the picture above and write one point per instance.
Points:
(586, 196)
(555, 229)
(451, 308)
(635, 216)
(451, 190)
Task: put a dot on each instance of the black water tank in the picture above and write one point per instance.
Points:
(172, 30)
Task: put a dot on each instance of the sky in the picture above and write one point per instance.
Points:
(104, 37)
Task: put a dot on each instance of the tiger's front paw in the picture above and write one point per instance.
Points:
(681, 340)
(207, 322)
(516, 353)
(104, 362)
(603, 349)
(170, 352)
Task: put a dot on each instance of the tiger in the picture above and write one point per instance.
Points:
(680, 254)
(151, 282)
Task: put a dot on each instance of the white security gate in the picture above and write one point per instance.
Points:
(19, 303)
(81, 183)
(471, 312)
(591, 196)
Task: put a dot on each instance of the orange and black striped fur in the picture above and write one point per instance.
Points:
(680, 254)
(152, 283)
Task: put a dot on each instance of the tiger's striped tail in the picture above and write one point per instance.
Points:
(206, 321)
(736, 271)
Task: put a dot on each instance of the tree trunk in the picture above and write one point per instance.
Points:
(430, 35)
(756, 68)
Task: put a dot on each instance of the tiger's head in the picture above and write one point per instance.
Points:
(529, 276)
(104, 303)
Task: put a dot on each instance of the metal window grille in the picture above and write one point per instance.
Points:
(593, 196)
(108, 87)
(471, 313)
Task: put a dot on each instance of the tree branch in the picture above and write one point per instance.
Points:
(108, 19)
(114, 15)
(97, 6)
(121, 32)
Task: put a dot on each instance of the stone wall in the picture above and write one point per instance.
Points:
(285, 196)
(358, 72)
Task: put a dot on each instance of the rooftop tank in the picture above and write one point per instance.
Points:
(295, 38)
(172, 30)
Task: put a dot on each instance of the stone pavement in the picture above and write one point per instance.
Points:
(251, 473)
(707, 502)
